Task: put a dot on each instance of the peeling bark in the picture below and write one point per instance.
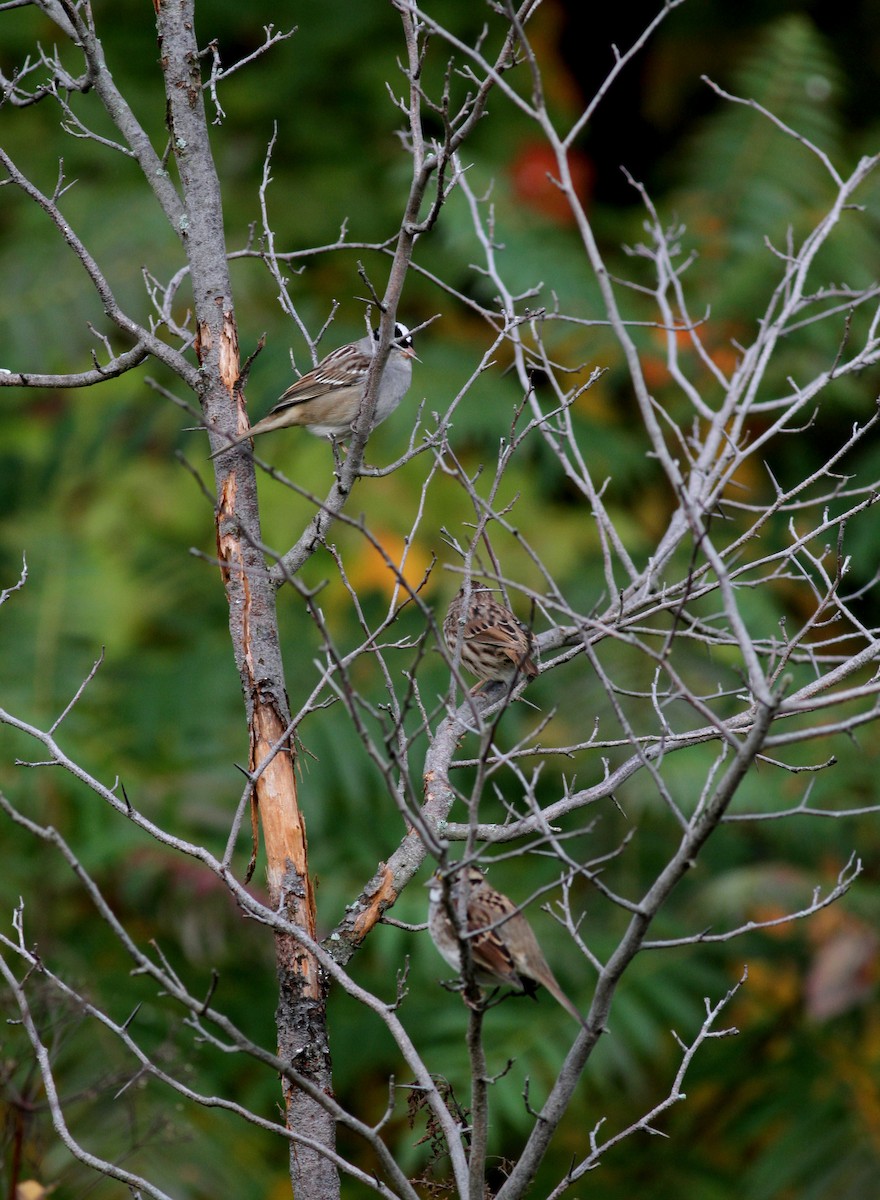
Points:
(301, 1012)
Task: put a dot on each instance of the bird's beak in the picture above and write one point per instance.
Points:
(408, 352)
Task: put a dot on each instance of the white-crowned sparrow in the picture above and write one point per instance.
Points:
(495, 646)
(503, 948)
(326, 399)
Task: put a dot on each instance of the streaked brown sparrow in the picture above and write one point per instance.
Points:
(326, 399)
(495, 646)
(503, 948)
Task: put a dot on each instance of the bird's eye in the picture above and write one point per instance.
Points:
(402, 336)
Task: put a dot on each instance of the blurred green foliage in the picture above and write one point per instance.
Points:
(94, 496)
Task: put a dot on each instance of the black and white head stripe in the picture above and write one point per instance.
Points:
(402, 338)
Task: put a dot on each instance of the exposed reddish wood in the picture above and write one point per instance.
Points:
(382, 898)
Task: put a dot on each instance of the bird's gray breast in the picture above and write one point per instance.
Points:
(396, 379)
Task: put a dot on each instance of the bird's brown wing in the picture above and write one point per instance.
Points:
(486, 909)
(343, 368)
(507, 636)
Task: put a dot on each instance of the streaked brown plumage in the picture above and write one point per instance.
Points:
(503, 947)
(495, 646)
(325, 400)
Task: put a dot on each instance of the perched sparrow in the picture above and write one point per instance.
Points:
(495, 646)
(326, 399)
(503, 948)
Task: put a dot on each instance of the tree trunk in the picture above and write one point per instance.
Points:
(301, 1013)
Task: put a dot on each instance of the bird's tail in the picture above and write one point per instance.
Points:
(230, 445)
